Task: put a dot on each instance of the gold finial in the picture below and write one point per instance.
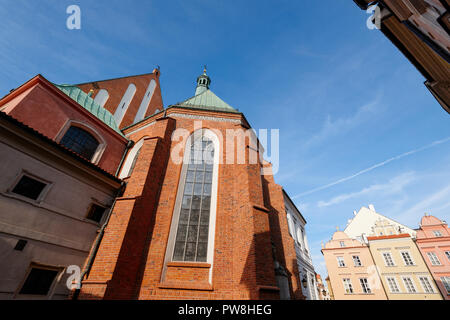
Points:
(91, 92)
(204, 69)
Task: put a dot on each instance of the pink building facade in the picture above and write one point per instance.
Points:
(351, 269)
(433, 240)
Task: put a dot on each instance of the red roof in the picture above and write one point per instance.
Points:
(393, 236)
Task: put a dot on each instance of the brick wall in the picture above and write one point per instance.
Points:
(131, 262)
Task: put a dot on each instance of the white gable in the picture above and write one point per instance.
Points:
(365, 219)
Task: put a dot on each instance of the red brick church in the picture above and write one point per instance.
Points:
(186, 223)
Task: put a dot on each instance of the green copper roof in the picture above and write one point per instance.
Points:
(88, 103)
(207, 100)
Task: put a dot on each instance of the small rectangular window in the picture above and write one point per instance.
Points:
(393, 286)
(407, 258)
(29, 187)
(433, 259)
(409, 285)
(447, 254)
(388, 259)
(39, 281)
(437, 233)
(427, 287)
(342, 243)
(357, 261)
(20, 245)
(341, 262)
(365, 285)
(446, 283)
(96, 213)
(348, 285)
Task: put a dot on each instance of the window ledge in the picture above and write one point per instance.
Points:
(189, 264)
(268, 288)
(186, 285)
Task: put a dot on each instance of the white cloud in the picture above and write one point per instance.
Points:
(436, 203)
(383, 163)
(331, 128)
(395, 185)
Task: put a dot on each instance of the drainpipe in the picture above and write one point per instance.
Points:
(99, 238)
(130, 145)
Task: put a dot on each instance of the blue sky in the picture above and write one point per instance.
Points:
(343, 96)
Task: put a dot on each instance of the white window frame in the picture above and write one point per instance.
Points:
(348, 286)
(433, 259)
(364, 282)
(407, 287)
(437, 233)
(339, 260)
(446, 283)
(409, 256)
(390, 281)
(290, 223)
(299, 236)
(176, 213)
(342, 244)
(359, 261)
(426, 286)
(386, 261)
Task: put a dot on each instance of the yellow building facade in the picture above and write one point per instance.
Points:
(401, 268)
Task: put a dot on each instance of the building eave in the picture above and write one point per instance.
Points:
(45, 140)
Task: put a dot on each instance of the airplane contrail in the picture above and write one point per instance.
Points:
(435, 143)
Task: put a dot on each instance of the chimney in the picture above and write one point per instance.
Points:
(372, 208)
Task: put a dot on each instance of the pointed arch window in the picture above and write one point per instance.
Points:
(194, 235)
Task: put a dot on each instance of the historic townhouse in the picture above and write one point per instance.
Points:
(397, 269)
(402, 270)
(433, 240)
(351, 269)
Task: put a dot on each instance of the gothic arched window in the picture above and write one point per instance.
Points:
(195, 211)
(80, 141)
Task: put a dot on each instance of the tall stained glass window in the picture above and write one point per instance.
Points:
(191, 243)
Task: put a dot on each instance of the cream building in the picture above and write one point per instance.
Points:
(400, 265)
(363, 222)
